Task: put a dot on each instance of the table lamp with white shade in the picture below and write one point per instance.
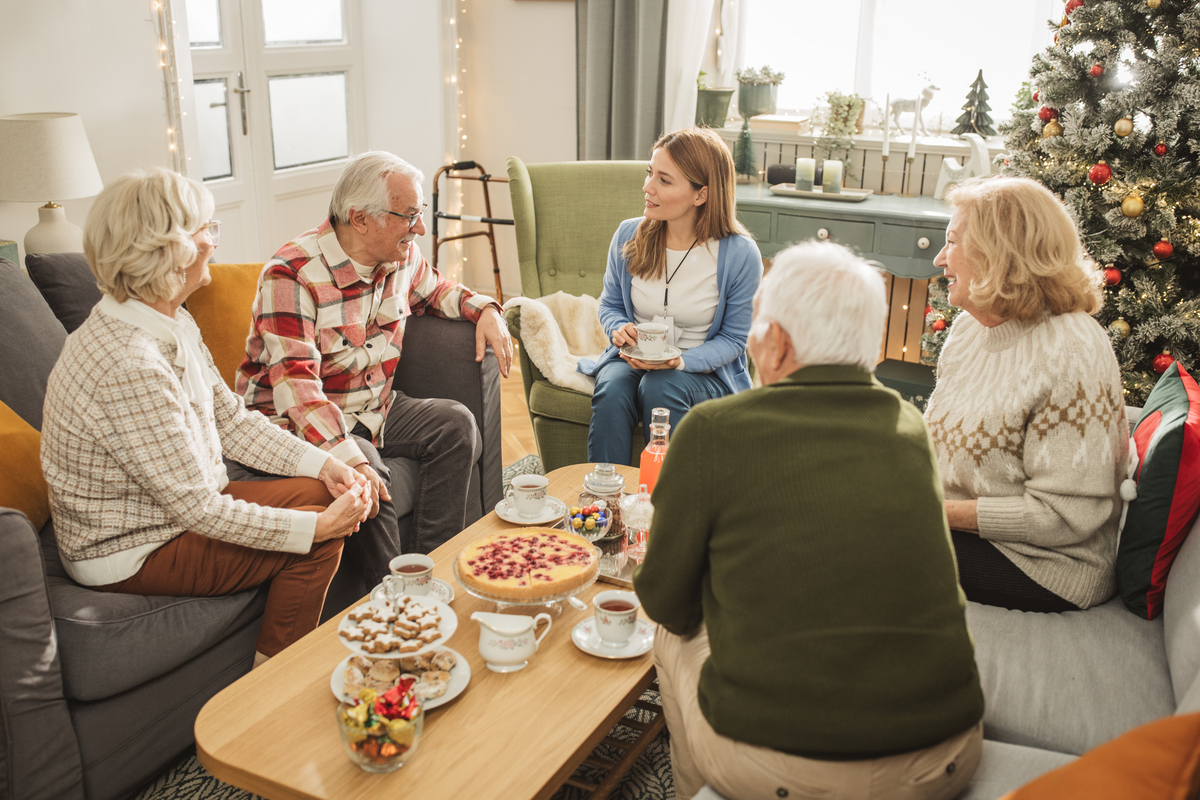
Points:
(45, 156)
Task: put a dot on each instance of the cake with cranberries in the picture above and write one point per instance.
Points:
(527, 564)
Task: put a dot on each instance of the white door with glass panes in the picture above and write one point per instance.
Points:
(279, 109)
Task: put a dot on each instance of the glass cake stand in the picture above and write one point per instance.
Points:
(547, 604)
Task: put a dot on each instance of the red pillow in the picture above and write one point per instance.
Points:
(1159, 761)
(1168, 491)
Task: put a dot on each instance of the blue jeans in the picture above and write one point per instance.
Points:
(624, 396)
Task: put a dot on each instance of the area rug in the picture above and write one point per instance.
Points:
(529, 465)
(650, 778)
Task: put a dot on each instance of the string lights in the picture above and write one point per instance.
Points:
(164, 24)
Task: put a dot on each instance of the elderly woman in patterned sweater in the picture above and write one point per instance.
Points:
(1027, 417)
(137, 420)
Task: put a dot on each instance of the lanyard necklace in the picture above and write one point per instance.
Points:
(667, 288)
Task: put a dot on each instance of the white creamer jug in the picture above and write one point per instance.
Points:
(508, 641)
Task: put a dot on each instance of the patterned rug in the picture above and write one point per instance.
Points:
(650, 778)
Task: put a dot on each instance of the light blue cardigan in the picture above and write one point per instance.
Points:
(739, 272)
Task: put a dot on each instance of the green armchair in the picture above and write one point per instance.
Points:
(566, 215)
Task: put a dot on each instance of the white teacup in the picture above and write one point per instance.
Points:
(527, 495)
(411, 574)
(616, 616)
(652, 338)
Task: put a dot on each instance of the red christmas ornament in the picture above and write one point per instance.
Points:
(938, 325)
(1097, 70)
(1163, 249)
(1100, 174)
(1035, 96)
(1046, 113)
(928, 309)
(1160, 149)
(1072, 5)
(1162, 362)
(1112, 276)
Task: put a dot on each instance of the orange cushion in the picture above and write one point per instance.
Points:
(222, 310)
(1159, 761)
(22, 486)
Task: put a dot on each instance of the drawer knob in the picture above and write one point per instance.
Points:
(823, 234)
(923, 243)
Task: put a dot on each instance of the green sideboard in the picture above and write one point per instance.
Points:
(902, 233)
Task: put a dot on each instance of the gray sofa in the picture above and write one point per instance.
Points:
(99, 692)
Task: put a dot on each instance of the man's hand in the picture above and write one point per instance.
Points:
(375, 485)
(492, 329)
(339, 479)
(343, 517)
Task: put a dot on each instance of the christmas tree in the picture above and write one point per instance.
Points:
(975, 118)
(743, 152)
(1115, 132)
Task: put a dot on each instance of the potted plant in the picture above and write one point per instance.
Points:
(838, 123)
(757, 90)
(712, 105)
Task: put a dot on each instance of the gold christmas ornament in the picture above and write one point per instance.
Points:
(1154, 3)
(1052, 128)
(1120, 327)
(1132, 206)
(1123, 126)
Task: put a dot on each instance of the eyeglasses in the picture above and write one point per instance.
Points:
(412, 218)
(214, 231)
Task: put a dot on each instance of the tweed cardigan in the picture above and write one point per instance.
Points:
(131, 464)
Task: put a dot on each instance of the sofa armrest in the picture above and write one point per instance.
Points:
(439, 361)
(39, 755)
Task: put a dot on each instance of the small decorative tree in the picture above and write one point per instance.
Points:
(975, 118)
(743, 153)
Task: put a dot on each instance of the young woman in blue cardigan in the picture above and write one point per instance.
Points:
(690, 264)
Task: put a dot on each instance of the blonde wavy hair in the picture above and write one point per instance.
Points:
(138, 235)
(1026, 252)
(705, 160)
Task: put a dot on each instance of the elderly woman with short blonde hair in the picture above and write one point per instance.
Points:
(1028, 417)
(137, 420)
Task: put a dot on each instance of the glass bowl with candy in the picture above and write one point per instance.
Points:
(381, 731)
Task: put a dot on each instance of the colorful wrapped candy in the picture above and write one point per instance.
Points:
(380, 731)
(588, 521)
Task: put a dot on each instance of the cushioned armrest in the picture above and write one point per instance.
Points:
(439, 361)
(39, 754)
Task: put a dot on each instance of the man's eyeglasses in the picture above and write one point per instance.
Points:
(411, 218)
(214, 231)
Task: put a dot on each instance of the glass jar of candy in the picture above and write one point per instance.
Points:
(597, 516)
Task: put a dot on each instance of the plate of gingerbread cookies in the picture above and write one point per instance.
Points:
(406, 626)
(441, 676)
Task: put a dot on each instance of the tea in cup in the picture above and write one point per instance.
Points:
(616, 616)
(411, 574)
(652, 338)
(527, 495)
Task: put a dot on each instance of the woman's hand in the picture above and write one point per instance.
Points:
(343, 517)
(339, 479)
(626, 334)
(636, 364)
(963, 515)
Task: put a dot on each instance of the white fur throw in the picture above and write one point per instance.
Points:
(557, 331)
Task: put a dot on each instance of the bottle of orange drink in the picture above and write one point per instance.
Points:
(656, 451)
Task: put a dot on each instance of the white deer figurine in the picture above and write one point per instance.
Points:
(914, 107)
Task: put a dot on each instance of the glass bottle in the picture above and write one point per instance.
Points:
(603, 487)
(656, 451)
(637, 512)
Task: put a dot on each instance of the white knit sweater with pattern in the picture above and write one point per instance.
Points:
(1028, 419)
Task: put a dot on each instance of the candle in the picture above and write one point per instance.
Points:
(806, 169)
(912, 145)
(887, 124)
(831, 181)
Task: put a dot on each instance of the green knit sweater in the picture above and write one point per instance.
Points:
(803, 524)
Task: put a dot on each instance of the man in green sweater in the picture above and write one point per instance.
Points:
(812, 636)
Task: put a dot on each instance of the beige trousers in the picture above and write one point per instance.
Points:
(743, 771)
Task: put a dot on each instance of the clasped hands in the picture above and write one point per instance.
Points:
(627, 335)
(357, 493)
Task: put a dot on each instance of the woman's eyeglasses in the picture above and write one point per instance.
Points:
(214, 231)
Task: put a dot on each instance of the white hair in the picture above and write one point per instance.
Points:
(364, 185)
(830, 302)
(138, 234)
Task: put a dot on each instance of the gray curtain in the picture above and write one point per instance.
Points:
(621, 51)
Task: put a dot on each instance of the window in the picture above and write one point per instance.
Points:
(897, 47)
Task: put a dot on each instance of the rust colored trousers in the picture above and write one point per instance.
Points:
(193, 565)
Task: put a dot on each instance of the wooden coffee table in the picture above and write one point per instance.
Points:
(521, 735)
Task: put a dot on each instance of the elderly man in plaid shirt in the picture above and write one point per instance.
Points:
(326, 340)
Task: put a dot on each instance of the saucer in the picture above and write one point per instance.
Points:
(668, 353)
(586, 638)
(554, 511)
(439, 590)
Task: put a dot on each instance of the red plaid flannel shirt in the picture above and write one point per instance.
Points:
(325, 342)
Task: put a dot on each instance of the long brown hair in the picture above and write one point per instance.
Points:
(705, 160)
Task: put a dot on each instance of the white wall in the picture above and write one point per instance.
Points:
(519, 100)
(97, 59)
